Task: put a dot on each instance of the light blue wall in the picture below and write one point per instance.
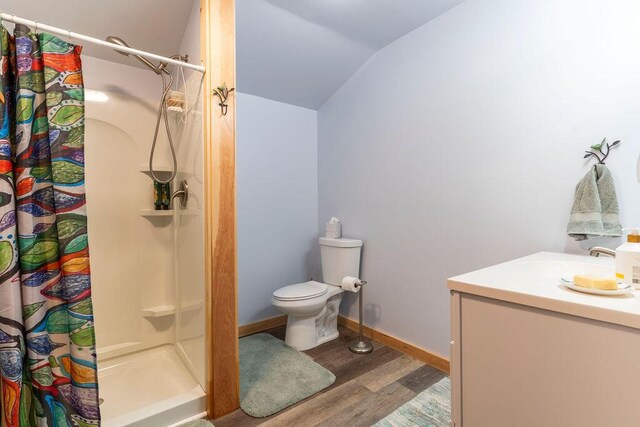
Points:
(459, 145)
(277, 201)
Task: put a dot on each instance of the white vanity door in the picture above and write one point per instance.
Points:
(522, 366)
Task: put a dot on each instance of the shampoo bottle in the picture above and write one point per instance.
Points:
(628, 259)
(157, 195)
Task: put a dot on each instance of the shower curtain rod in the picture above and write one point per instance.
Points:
(76, 36)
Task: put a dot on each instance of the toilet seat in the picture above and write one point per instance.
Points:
(301, 291)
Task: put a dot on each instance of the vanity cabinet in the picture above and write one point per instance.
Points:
(523, 358)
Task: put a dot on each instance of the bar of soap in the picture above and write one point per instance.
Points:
(594, 282)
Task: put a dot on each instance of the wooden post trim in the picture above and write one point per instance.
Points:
(218, 53)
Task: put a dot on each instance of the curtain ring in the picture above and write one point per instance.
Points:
(36, 27)
(70, 38)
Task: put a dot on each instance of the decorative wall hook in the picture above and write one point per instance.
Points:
(223, 93)
(598, 148)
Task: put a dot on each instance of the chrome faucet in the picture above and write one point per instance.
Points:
(182, 193)
(599, 250)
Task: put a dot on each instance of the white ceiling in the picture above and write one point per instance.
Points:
(301, 51)
(295, 51)
(153, 25)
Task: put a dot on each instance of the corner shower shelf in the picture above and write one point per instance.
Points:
(170, 310)
(159, 311)
(162, 171)
(152, 213)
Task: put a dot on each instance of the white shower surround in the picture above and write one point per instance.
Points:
(152, 370)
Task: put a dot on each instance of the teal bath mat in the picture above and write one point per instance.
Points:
(274, 376)
(431, 408)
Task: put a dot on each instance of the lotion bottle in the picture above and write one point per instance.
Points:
(628, 259)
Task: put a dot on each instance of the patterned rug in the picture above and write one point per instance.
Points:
(431, 408)
(274, 376)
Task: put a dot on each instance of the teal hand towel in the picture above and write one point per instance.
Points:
(595, 206)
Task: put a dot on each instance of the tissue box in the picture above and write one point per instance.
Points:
(334, 231)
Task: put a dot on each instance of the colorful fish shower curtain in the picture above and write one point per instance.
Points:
(47, 344)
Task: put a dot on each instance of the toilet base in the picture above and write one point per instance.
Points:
(304, 333)
(329, 337)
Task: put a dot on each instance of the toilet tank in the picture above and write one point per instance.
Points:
(340, 257)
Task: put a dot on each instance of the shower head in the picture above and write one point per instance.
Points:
(155, 68)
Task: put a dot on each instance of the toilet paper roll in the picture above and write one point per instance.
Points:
(351, 284)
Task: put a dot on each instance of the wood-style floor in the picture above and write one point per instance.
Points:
(367, 388)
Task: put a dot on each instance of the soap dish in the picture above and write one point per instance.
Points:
(623, 288)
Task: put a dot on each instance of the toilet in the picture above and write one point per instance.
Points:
(312, 307)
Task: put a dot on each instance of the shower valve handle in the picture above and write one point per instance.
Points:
(182, 193)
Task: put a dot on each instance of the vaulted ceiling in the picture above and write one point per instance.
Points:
(295, 51)
(301, 51)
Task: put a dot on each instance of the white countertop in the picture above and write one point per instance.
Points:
(534, 281)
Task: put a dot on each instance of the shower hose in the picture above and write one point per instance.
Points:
(162, 114)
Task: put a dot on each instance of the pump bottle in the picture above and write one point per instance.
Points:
(628, 259)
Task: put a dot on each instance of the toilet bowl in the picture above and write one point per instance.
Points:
(312, 307)
(312, 313)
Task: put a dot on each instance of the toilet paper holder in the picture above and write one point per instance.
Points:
(359, 345)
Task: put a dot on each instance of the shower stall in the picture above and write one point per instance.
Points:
(147, 265)
(145, 123)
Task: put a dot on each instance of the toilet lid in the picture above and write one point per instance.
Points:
(301, 291)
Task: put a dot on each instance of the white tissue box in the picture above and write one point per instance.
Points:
(334, 231)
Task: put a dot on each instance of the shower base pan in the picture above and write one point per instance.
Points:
(150, 388)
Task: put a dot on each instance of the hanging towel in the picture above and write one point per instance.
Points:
(595, 206)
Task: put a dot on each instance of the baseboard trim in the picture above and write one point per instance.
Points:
(421, 354)
(262, 325)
